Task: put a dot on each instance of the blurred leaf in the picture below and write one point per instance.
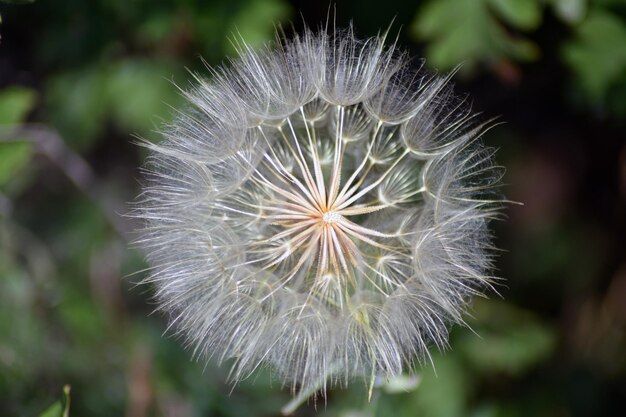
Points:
(79, 231)
(15, 103)
(55, 410)
(13, 156)
(75, 102)
(597, 55)
(155, 27)
(60, 408)
(137, 92)
(444, 388)
(469, 31)
(442, 392)
(23, 335)
(255, 22)
(510, 340)
(82, 317)
(570, 11)
(131, 93)
(522, 14)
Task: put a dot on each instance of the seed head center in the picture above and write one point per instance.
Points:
(331, 216)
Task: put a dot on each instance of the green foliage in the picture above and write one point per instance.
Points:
(55, 410)
(488, 33)
(132, 94)
(60, 408)
(13, 157)
(521, 14)
(597, 55)
(15, 103)
(472, 32)
(251, 22)
(444, 389)
(510, 340)
(570, 11)
(74, 99)
(98, 85)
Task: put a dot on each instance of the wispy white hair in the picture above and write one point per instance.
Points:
(321, 207)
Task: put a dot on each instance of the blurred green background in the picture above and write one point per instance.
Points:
(79, 79)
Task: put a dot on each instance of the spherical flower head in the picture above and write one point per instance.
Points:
(320, 207)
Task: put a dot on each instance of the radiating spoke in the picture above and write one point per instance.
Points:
(317, 167)
(317, 239)
(335, 177)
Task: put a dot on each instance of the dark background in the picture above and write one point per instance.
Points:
(79, 80)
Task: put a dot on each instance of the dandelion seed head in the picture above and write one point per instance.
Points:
(321, 208)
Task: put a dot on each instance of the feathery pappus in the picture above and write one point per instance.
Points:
(321, 207)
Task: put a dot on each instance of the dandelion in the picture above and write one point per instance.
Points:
(321, 208)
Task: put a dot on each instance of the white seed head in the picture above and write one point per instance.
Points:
(320, 207)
